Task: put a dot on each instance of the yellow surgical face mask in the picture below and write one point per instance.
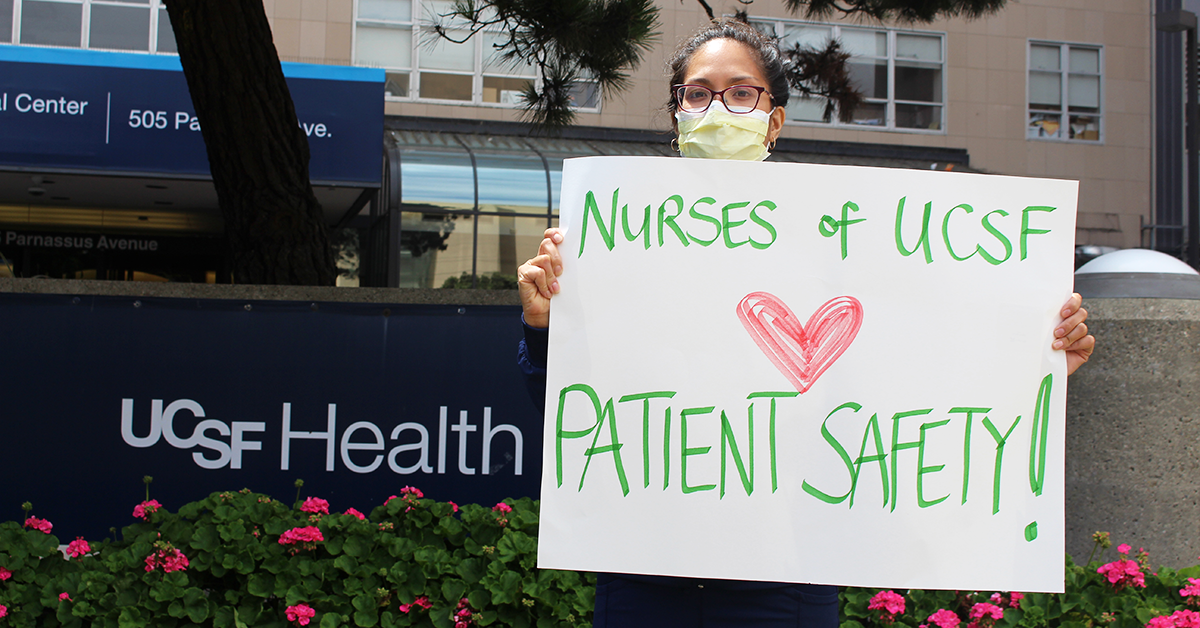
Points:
(718, 134)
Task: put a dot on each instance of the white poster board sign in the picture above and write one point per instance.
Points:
(808, 373)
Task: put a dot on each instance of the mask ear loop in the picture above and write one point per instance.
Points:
(675, 144)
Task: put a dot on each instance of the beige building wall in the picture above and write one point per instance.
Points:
(986, 75)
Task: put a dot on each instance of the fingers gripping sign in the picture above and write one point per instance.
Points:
(537, 279)
(1072, 334)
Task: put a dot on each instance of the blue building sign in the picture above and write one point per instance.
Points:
(358, 400)
(84, 110)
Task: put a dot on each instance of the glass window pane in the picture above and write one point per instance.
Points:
(396, 85)
(51, 23)
(503, 90)
(920, 47)
(1085, 60)
(1085, 128)
(119, 28)
(512, 183)
(434, 247)
(443, 54)
(437, 180)
(864, 43)
(871, 114)
(383, 47)
(446, 86)
(806, 36)
(1044, 125)
(1083, 91)
(393, 10)
(585, 94)
(505, 242)
(918, 82)
(1044, 57)
(494, 64)
(871, 79)
(6, 21)
(806, 109)
(918, 117)
(1045, 89)
(166, 35)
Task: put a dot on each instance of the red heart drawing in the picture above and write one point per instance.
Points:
(801, 353)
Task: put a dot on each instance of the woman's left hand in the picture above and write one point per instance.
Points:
(1072, 336)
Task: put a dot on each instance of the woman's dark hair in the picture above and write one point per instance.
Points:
(766, 52)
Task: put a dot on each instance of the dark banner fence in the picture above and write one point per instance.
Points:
(208, 395)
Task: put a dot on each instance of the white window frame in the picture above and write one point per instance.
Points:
(154, 6)
(420, 27)
(779, 24)
(1064, 72)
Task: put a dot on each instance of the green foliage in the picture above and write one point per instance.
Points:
(895, 10)
(239, 575)
(568, 41)
(418, 562)
(487, 281)
(1089, 601)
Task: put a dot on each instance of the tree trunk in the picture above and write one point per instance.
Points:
(274, 228)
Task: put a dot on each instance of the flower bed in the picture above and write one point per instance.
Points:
(244, 560)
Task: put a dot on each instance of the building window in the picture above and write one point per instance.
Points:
(901, 75)
(397, 35)
(129, 25)
(1064, 92)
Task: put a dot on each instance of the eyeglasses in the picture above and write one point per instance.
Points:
(737, 99)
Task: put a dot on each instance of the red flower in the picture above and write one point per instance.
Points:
(64, 596)
(146, 508)
(4, 574)
(354, 513)
(502, 507)
(890, 602)
(307, 534)
(315, 505)
(78, 547)
(411, 491)
(453, 505)
(167, 557)
(421, 601)
(39, 524)
(300, 614)
(1123, 573)
(3, 610)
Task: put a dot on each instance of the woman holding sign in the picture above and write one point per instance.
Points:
(728, 90)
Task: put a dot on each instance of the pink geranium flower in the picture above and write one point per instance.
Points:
(3, 610)
(502, 507)
(78, 547)
(412, 491)
(39, 524)
(315, 505)
(1123, 573)
(168, 558)
(890, 602)
(1190, 593)
(146, 508)
(1178, 619)
(4, 574)
(1123, 548)
(354, 513)
(453, 505)
(944, 619)
(421, 602)
(1015, 599)
(306, 537)
(984, 615)
(64, 596)
(300, 614)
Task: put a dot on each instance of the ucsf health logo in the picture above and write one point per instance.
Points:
(360, 447)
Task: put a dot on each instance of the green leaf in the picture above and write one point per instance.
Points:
(331, 620)
(261, 584)
(356, 546)
(366, 618)
(346, 563)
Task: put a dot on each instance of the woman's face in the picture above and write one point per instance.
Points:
(722, 63)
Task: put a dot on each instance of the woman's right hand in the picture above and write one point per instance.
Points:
(537, 280)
